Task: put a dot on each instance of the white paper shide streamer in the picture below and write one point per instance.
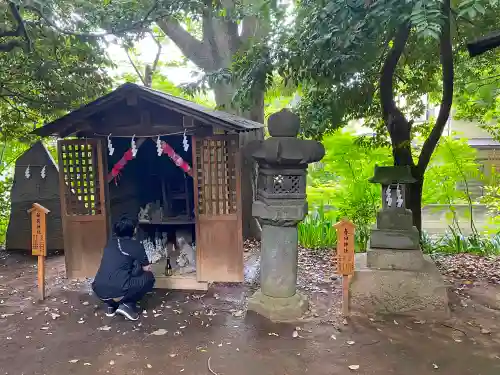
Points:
(133, 146)
(43, 172)
(399, 200)
(111, 149)
(159, 149)
(388, 196)
(27, 172)
(185, 142)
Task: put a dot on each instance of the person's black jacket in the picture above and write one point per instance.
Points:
(121, 261)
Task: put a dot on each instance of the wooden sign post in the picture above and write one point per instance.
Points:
(39, 243)
(345, 258)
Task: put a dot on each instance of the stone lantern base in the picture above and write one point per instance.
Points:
(279, 309)
(419, 290)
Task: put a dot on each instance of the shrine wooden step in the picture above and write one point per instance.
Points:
(180, 282)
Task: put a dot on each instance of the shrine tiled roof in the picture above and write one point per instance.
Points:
(61, 126)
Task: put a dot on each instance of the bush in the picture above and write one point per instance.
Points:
(454, 242)
(317, 232)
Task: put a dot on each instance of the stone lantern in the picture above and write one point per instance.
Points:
(394, 228)
(280, 205)
(394, 276)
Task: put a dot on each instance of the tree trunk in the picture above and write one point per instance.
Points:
(414, 203)
(215, 51)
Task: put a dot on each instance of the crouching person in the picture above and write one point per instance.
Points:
(124, 276)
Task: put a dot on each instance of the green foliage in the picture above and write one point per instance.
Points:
(338, 50)
(339, 183)
(453, 242)
(343, 176)
(453, 166)
(44, 74)
(316, 232)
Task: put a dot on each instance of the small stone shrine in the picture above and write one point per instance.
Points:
(394, 276)
(280, 205)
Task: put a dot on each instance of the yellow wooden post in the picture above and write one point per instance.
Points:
(39, 242)
(345, 258)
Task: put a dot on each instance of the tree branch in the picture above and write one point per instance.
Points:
(137, 71)
(389, 68)
(158, 53)
(20, 31)
(209, 37)
(133, 26)
(192, 48)
(447, 97)
(398, 127)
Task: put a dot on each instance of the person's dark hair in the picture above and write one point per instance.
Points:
(124, 227)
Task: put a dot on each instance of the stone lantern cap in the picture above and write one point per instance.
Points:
(283, 148)
(387, 175)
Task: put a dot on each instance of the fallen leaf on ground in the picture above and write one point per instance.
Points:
(344, 322)
(350, 342)
(395, 322)
(238, 313)
(54, 316)
(87, 364)
(435, 366)
(458, 340)
(272, 334)
(112, 363)
(3, 316)
(118, 354)
(295, 334)
(149, 366)
(172, 355)
(485, 331)
(333, 337)
(73, 360)
(159, 332)
(353, 367)
(104, 328)
(85, 303)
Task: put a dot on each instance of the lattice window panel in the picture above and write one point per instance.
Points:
(79, 162)
(286, 184)
(216, 175)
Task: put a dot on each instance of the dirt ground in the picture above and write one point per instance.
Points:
(184, 332)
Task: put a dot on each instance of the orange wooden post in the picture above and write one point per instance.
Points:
(39, 243)
(345, 258)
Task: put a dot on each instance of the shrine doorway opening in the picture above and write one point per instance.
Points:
(160, 195)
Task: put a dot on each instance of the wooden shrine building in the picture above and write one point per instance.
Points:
(173, 164)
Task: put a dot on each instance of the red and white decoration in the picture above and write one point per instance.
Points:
(120, 164)
(176, 158)
(162, 148)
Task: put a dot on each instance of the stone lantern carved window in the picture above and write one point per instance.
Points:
(282, 184)
(286, 184)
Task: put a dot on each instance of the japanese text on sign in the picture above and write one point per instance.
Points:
(38, 232)
(345, 247)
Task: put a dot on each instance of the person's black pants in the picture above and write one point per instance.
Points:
(138, 287)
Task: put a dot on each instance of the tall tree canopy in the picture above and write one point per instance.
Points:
(378, 61)
(44, 72)
(209, 33)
